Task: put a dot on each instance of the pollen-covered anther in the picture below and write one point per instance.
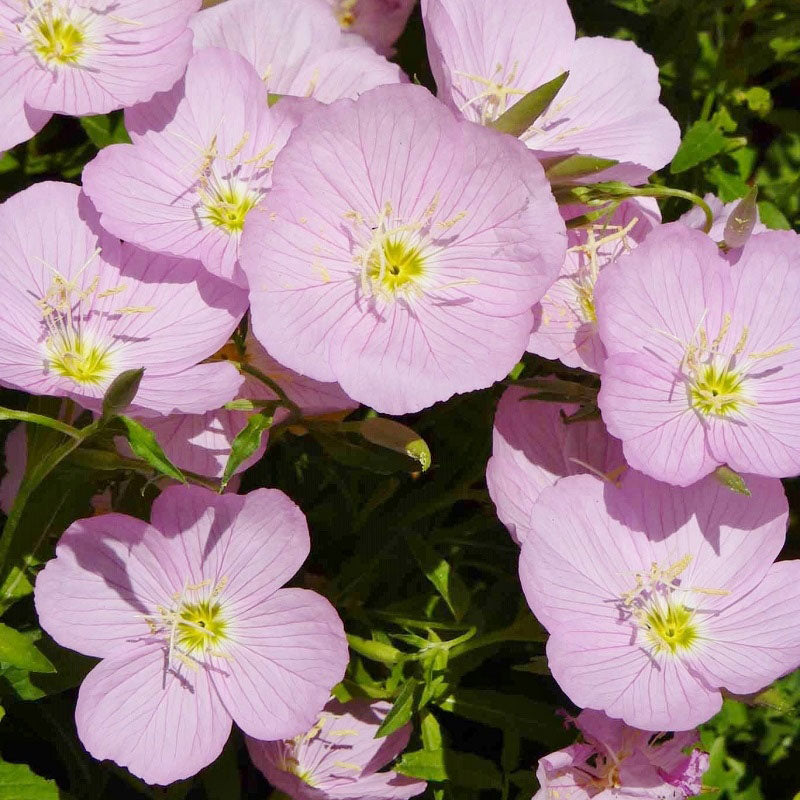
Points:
(495, 97)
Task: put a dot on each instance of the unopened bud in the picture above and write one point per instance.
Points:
(742, 220)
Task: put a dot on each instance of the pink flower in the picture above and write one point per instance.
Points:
(401, 250)
(78, 308)
(485, 56)
(200, 162)
(193, 627)
(201, 443)
(15, 458)
(532, 448)
(380, 22)
(615, 760)
(566, 322)
(296, 47)
(339, 757)
(90, 56)
(657, 597)
(703, 356)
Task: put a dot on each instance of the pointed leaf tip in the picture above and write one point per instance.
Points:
(517, 119)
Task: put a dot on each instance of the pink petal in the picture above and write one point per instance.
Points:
(756, 640)
(529, 42)
(109, 574)
(256, 541)
(645, 404)
(162, 726)
(289, 651)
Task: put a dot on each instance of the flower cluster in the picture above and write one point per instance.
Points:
(296, 229)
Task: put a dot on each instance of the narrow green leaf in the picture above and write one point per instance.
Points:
(430, 730)
(396, 436)
(529, 718)
(122, 391)
(462, 769)
(19, 651)
(526, 111)
(144, 444)
(39, 419)
(19, 782)
(577, 166)
(247, 441)
(402, 710)
(273, 98)
(439, 572)
(701, 142)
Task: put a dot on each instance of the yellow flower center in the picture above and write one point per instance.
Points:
(201, 626)
(227, 203)
(79, 360)
(716, 390)
(669, 627)
(395, 263)
(58, 33)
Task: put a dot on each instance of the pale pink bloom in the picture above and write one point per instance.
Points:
(90, 56)
(401, 250)
(339, 757)
(566, 323)
(617, 761)
(380, 22)
(201, 443)
(200, 161)
(486, 55)
(15, 459)
(695, 218)
(656, 597)
(703, 359)
(532, 448)
(296, 47)
(78, 308)
(193, 627)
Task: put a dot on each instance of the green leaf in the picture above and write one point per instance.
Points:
(144, 444)
(430, 730)
(247, 441)
(19, 651)
(730, 187)
(462, 769)
(772, 216)
(701, 142)
(439, 572)
(526, 111)
(106, 129)
(529, 718)
(577, 166)
(19, 782)
(122, 391)
(402, 710)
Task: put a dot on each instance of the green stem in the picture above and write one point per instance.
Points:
(273, 385)
(39, 419)
(666, 191)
